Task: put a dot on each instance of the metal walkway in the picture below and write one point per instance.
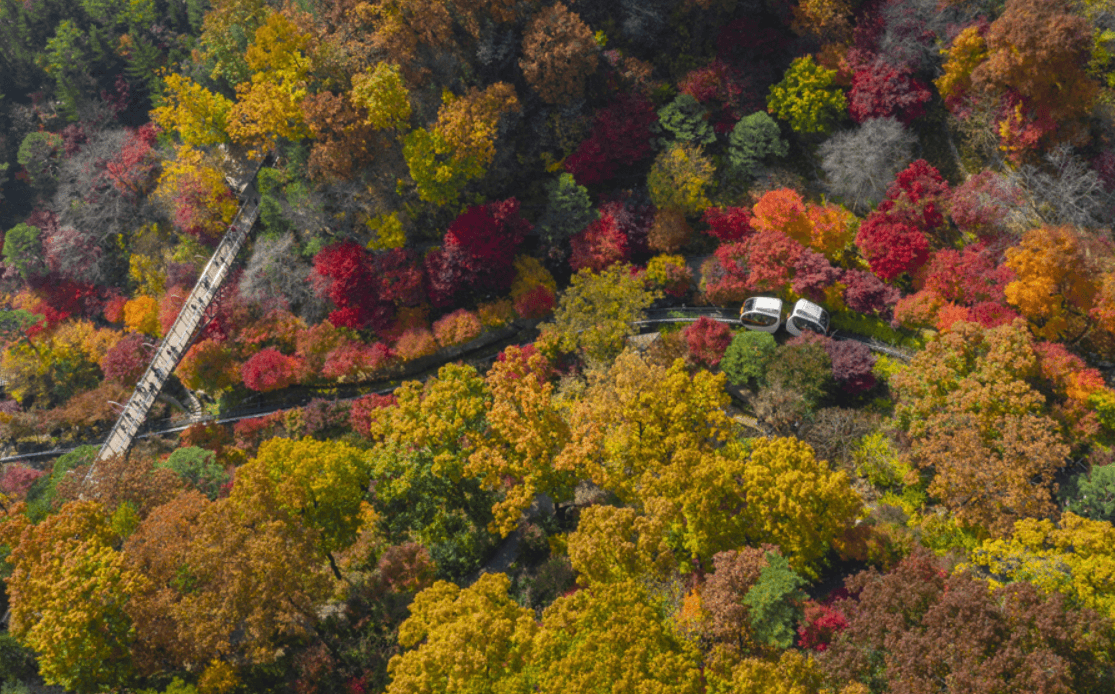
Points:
(192, 317)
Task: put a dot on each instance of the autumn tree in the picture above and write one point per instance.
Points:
(613, 544)
(882, 90)
(1058, 287)
(806, 97)
(707, 341)
(904, 625)
(1037, 51)
(68, 588)
(525, 433)
(475, 639)
(559, 54)
(418, 465)
(461, 145)
(681, 178)
(595, 312)
(1072, 557)
(608, 634)
(979, 426)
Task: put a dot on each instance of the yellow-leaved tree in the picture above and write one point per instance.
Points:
(526, 431)
(68, 588)
(475, 639)
(1075, 557)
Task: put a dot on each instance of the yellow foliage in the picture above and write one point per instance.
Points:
(383, 94)
(141, 315)
(218, 677)
(1075, 557)
(529, 273)
(321, 482)
(496, 314)
(269, 106)
(148, 274)
(612, 638)
(612, 544)
(968, 50)
(199, 116)
(475, 639)
(525, 433)
(389, 232)
(67, 590)
(680, 179)
(791, 673)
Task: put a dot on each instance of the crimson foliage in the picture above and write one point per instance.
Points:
(345, 273)
(270, 369)
(707, 341)
(851, 365)
(476, 254)
(126, 361)
(881, 90)
(728, 223)
(620, 137)
(866, 293)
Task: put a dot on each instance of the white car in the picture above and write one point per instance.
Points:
(761, 313)
(807, 316)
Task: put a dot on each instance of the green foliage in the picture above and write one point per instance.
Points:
(438, 175)
(568, 210)
(753, 139)
(804, 368)
(17, 663)
(594, 314)
(747, 357)
(1092, 494)
(873, 326)
(66, 56)
(807, 97)
(878, 461)
(40, 153)
(198, 468)
(417, 499)
(687, 120)
(40, 497)
(774, 602)
(23, 249)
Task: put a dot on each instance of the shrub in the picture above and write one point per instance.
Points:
(496, 314)
(803, 366)
(17, 478)
(852, 364)
(416, 343)
(745, 361)
(198, 468)
(457, 328)
(536, 303)
(707, 340)
(269, 370)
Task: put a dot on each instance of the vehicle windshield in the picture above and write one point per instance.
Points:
(756, 318)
